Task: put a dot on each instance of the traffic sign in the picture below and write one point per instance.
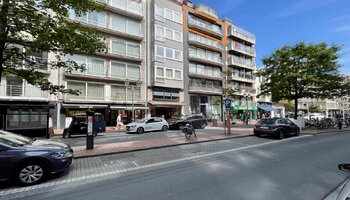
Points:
(228, 102)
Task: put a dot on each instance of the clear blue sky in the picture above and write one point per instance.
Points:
(279, 22)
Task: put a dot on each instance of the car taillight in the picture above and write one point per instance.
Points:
(274, 126)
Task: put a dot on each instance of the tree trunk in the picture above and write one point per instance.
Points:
(295, 107)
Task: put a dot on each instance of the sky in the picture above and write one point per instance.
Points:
(278, 22)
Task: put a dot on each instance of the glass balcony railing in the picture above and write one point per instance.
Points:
(131, 6)
(240, 61)
(241, 47)
(20, 91)
(206, 56)
(205, 9)
(92, 94)
(201, 23)
(205, 88)
(244, 76)
(204, 40)
(241, 33)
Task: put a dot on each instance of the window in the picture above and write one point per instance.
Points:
(178, 55)
(98, 19)
(177, 17)
(118, 70)
(159, 14)
(95, 91)
(178, 74)
(134, 6)
(168, 14)
(118, 93)
(14, 86)
(192, 68)
(77, 86)
(169, 53)
(95, 67)
(122, 24)
(169, 73)
(159, 74)
(166, 93)
(169, 33)
(160, 53)
(125, 48)
(159, 32)
(133, 50)
(133, 27)
(133, 72)
(119, 47)
(178, 36)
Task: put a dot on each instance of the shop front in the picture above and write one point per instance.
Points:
(239, 112)
(209, 106)
(165, 110)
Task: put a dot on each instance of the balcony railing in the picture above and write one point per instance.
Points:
(197, 38)
(205, 9)
(209, 27)
(134, 7)
(244, 90)
(212, 58)
(243, 34)
(92, 94)
(247, 63)
(243, 48)
(244, 76)
(19, 91)
(205, 88)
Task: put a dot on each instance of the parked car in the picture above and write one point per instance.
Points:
(78, 125)
(147, 124)
(197, 121)
(30, 161)
(279, 127)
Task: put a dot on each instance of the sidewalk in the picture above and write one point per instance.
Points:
(137, 145)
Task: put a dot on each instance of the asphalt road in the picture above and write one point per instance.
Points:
(296, 168)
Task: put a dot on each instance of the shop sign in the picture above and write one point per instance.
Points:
(244, 108)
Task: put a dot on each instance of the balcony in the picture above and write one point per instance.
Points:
(241, 48)
(204, 43)
(207, 10)
(241, 62)
(91, 95)
(128, 8)
(205, 59)
(241, 34)
(241, 90)
(205, 89)
(201, 26)
(19, 92)
(243, 77)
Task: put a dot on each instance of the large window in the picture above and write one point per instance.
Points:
(125, 93)
(129, 5)
(94, 67)
(163, 73)
(125, 48)
(28, 118)
(166, 94)
(88, 91)
(168, 14)
(125, 25)
(204, 70)
(159, 13)
(168, 33)
(94, 18)
(168, 52)
(123, 70)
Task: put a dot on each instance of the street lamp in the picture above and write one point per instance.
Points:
(138, 84)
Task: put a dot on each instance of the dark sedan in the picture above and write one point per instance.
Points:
(197, 121)
(30, 161)
(279, 127)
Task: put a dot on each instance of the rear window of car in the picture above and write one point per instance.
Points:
(267, 121)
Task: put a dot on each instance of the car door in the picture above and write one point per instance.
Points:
(7, 156)
(293, 126)
(149, 125)
(285, 125)
(158, 125)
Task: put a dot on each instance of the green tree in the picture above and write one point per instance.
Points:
(288, 105)
(43, 26)
(314, 108)
(303, 70)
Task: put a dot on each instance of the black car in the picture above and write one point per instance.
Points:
(279, 127)
(30, 161)
(78, 125)
(197, 121)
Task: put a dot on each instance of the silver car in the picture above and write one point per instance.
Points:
(147, 124)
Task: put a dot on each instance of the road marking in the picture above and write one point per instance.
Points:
(138, 167)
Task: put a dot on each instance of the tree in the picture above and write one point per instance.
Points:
(288, 105)
(314, 108)
(303, 70)
(43, 26)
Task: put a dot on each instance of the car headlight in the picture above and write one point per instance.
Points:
(62, 154)
(133, 126)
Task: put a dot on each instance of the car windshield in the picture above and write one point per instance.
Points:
(267, 121)
(184, 117)
(142, 120)
(13, 140)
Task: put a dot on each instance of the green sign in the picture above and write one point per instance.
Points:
(244, 108)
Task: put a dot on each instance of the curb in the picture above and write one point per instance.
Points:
(328, 131)
(158, 147)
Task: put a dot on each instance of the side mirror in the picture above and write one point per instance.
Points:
(344, 167)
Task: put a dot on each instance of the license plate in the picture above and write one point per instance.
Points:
(264, 127)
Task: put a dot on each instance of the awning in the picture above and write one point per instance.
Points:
(67, 105)
(267, 108)
(128, 107)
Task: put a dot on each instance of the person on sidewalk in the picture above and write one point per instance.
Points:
(119, 122)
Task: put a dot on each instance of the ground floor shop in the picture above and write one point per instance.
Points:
(165, 111)
(110, 112)
(209, 106)
(26, 118)
(241, 112)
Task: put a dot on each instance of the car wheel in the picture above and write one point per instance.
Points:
(66, 134)
(202, 126)
(31, 173)
(257, 135)
(164, 128)
(281, 135)
(140, 130)
(297, 132)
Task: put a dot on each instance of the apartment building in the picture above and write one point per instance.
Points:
(204, 56)
(241, 62)
(113, 83)
(165, 58)
(329, 107)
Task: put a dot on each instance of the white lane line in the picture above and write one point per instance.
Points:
(86, 177)
(137, 165)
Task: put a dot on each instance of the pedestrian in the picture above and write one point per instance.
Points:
(119, 122)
